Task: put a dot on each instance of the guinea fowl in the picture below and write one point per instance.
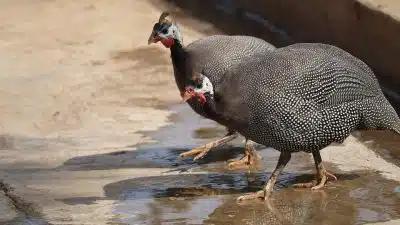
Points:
(212, 55)
(302, 97)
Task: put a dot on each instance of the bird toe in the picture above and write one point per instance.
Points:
(256, 195)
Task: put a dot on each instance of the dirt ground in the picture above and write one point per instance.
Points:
(78, 79)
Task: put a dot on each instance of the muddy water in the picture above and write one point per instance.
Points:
(204, 192)
(210, 199)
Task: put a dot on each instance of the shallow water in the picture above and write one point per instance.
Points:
(210, 198)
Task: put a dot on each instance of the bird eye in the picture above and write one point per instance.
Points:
(164, 31)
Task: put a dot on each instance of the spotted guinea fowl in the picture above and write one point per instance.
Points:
(302, 97)
(212, 55)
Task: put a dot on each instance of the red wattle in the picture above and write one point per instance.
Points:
(167, 42)
(202, 99)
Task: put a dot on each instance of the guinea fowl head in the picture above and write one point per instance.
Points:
(165, 31)
(200, 88)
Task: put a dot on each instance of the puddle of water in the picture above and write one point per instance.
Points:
(210, 199)
(188, 131)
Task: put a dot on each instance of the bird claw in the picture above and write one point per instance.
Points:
(201, 154)
(305, 185)
(188, 153)
(325, 177)
(256, 195)
(198, 152)
(245, 161)
(315, 185)
(202, 151)
(331, 175)
(250, 158)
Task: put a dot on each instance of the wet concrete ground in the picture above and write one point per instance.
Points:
(204, 192)
(210, 199)
(68, 160)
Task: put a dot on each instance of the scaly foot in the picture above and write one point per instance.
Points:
(264, 194)
(197, 153)
(245, 161)
(250, 157)
(322, 175)
(202, 151)
(325, 175)
(315, 185)
(256, 195)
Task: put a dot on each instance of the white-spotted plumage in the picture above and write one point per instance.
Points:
(302, 97)
(205, 87)
(215, 55)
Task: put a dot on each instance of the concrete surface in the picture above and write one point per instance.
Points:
(370, 29)
(7, 210)
(78, 79)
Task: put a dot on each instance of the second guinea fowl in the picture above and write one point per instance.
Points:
(302, 97)
(212, 55)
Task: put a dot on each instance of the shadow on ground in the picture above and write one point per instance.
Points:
(152, 157)
(187, 131)
(385, 143)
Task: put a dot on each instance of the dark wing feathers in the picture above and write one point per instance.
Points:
(304, 95)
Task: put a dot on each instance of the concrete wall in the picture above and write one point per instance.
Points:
(362, 30)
